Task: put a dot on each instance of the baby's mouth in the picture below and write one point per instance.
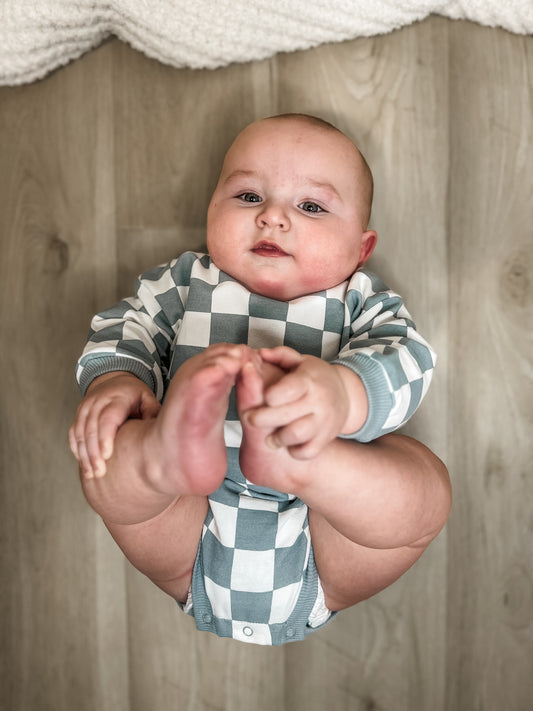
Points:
(269, 249)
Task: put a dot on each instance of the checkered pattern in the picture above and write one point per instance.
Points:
(254, 552)
(183, 307)
(254, 573)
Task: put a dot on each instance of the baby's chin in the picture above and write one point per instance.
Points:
(270, 289)
(268, 279)
(279, 293)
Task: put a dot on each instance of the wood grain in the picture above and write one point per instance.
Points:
(490, 574)
(389, 94)
(63, 585)
(106, 168)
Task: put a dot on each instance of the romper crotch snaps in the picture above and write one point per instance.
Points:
(252, 632)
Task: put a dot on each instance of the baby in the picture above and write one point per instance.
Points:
(265, 493)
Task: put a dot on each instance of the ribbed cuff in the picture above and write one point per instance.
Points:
(380, 399)
(108, 364)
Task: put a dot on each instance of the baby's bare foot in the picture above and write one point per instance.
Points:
(260, 460)
(188, 435)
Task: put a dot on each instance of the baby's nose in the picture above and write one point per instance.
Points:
(274, 216)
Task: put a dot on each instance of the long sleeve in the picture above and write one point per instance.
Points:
(182, 307)
(136, 335)
(385, 350)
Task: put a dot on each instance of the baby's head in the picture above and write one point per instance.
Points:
(290, 213)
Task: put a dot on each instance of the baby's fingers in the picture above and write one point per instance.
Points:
(283, 356)
(149, 407)
(287, 390)
(296, 434)
(86, 468)
(77, 443)
(276, 417)
(85, 441)
(79, 449)
(102, 427)
(72, 443)
(307, 450)
(93, 444)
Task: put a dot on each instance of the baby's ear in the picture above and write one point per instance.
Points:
(368, 242)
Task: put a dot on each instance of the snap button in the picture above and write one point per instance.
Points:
(290, 632)
(248, 631)
(207, 617)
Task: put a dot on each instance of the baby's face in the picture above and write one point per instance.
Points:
(283, 219)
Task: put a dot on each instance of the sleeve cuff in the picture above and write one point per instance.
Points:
(107, 364)
(380, 398)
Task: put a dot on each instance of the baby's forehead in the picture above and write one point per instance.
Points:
(290, 134)
(291, 128)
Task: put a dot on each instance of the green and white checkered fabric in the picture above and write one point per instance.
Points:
(255, 577)
(182, 307)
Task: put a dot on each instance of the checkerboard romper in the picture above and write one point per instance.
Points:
(255, 577)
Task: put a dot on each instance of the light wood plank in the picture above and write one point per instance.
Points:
(54, 139)
(490, 574)
(389, 94)
(173, 128)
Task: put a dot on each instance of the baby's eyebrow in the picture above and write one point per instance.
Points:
(324, 186)
(240, 173)
(306, 181)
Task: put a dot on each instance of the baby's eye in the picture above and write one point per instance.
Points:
(249, 197)
(308, 206)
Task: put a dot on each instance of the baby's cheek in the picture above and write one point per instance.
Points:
(321, 273)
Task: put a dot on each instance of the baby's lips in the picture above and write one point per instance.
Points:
(269, 249)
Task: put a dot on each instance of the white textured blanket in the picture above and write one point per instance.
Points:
(36, 36)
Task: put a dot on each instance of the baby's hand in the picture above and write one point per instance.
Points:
(309, 406)
(111, 399)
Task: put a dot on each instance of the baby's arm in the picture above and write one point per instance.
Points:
(110, 400)
(384, 349)
(312, 404)
(124, 363)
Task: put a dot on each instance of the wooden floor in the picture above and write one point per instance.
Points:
(106, 168)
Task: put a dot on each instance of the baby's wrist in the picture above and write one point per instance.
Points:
(357, 400)
(108, 376)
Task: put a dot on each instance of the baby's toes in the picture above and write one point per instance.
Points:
(249, 389)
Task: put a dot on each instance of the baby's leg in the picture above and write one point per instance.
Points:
(373, 508)
(152, 498)
(187, 443)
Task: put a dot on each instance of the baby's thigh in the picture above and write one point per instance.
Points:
(349, 572)
(164, 548)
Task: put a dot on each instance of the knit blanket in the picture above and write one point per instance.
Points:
(37, 36)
